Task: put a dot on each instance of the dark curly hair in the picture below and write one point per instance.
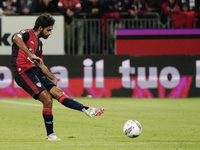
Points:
(44, 20)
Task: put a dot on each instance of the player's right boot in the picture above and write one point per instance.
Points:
(91, 112)
(52, 137)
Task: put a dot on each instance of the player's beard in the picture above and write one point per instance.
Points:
(43, 35)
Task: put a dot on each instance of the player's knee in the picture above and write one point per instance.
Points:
(56, 92)
(48, 102)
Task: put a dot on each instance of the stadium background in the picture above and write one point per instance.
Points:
(172, 74)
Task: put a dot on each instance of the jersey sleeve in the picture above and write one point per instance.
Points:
(40, 54)
(25, 34)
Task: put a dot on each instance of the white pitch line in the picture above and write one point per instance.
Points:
(27, 104)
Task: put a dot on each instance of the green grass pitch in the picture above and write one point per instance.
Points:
(167, 124)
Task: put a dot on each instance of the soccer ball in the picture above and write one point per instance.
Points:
(132, 128)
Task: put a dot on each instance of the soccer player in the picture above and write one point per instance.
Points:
(30, 73)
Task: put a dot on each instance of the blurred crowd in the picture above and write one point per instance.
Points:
(181, 12)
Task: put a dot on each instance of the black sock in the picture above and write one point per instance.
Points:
(71, 103)
(48, 119)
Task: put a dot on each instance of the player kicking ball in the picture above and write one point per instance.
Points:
(33, 76)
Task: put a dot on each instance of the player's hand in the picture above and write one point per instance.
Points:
(37, 60)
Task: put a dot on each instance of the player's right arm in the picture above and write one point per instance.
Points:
(18, 39)
(47, 72)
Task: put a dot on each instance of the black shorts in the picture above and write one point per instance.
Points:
(34, 81)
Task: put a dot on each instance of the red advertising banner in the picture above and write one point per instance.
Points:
(158, 42)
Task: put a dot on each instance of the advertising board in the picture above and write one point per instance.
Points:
(116, 76)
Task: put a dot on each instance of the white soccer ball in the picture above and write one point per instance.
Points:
(132, 128)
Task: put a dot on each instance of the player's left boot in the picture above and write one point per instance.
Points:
(91, 112)
(52, 137)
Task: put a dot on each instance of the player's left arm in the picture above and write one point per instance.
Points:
(47, 72)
